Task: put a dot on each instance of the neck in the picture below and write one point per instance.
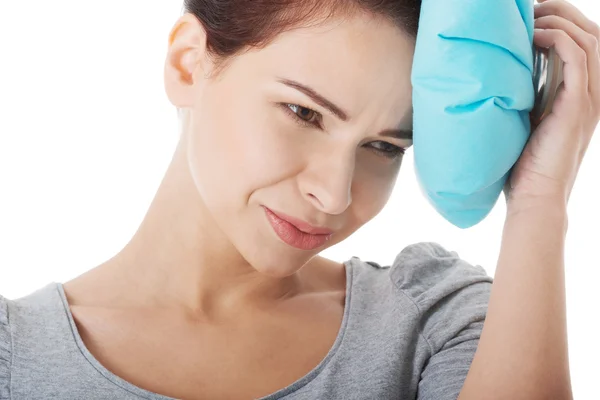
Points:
(179, 256)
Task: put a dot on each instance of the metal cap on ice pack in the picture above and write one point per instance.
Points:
(547, 77)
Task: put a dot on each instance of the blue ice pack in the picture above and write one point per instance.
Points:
(472, 95)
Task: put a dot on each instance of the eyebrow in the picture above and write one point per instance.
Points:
(401, 134)
(317, 98)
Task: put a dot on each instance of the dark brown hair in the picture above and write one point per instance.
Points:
(233, 26)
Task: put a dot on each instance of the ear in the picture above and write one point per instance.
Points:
(187, 61)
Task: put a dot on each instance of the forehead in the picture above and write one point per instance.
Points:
(357, 60)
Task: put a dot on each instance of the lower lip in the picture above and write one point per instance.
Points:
(293, 236)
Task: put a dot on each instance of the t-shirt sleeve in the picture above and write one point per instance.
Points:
(451, 296)
(5, 351)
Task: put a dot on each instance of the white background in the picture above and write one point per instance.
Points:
(86, 133)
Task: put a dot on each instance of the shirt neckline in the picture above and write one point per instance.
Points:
(293, 387)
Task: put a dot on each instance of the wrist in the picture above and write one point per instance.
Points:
(550, 209)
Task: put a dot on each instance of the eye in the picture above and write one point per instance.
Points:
(303, 115)
(386, 149)
(311, 118)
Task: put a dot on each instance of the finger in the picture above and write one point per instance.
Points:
(584, 40)
(568, 11)
(575, 76)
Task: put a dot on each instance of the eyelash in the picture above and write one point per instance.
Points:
(391, 154)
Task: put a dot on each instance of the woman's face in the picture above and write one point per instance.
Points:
(259, 139)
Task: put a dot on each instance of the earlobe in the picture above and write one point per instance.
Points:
(185, 60)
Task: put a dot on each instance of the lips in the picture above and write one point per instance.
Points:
(297, 233)
(301, 225)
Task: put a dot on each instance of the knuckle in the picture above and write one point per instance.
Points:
(591, 42)
(563, 35)
(595, 30)
(579, 54)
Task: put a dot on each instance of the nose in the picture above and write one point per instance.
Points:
(327, 182)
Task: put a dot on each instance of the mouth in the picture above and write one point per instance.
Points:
(297, 233)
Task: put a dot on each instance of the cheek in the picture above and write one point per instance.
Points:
(263, 150)
(238, 149)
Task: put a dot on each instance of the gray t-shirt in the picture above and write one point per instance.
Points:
(409, 331)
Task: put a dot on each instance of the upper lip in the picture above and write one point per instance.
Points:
(302, 225)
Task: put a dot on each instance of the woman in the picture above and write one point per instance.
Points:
(295, 118)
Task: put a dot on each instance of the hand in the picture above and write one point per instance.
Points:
(548, 166)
